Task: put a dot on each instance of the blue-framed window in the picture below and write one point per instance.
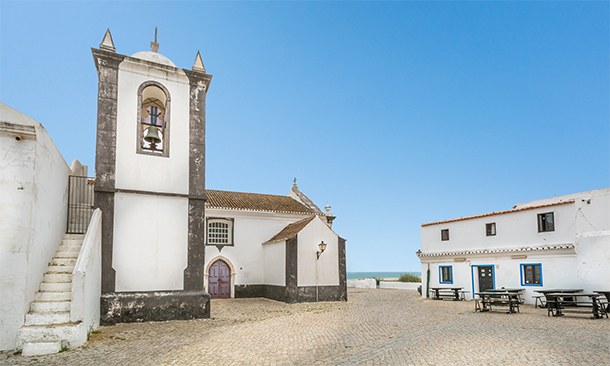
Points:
(531, 274)
(445, 274)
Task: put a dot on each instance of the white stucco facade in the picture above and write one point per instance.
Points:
(146, 172)
(327, 266)
(150, 252)
(254, 261)
(33, 192)
(574, 254)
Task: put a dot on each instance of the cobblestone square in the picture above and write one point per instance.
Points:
(375, 327)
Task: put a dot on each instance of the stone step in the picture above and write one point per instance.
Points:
(68, 248)
(66, 255)
(53, 296)
(60, 269)
(37, 306)
(56, 287)
(72, 241)
(74, 237)
(57, 277)
(47, 318)
(41, 348)
(47, 333)
(63, 262)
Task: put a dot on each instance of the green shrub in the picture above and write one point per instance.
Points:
(409, 277)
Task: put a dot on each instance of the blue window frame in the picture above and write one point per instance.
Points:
(531, 274)
(445, 274)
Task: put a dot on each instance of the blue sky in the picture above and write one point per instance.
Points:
(395, 113)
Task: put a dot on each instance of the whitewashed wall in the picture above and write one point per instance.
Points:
(150, 242)
(275, 263)
(145, 172)
(33, 196)
(513, 230)
(251, 230)
(328, 264)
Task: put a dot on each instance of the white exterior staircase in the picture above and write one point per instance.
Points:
(48, 327)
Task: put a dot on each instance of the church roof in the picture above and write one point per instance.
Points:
(256, 202)
(291, 230)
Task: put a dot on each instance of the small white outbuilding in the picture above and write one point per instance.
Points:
(559, 242)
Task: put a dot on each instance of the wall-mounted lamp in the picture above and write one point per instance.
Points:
(322, 247)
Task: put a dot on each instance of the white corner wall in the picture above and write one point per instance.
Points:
(275, 263)
(327, 265)
(33, 209)
(144, 259)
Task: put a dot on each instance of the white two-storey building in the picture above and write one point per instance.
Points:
(559, 242)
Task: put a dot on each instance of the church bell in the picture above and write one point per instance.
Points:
(152, 135)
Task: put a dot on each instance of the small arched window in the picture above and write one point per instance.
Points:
(153, 119)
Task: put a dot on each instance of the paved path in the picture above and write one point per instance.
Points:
(375, 327)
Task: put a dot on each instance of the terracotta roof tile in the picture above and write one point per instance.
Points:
(496, 213)
(255, 202)
(291, 230)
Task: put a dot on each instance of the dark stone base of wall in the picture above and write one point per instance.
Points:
(128, 307)
(301, 294)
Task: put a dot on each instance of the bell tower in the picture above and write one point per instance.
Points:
(150, 185)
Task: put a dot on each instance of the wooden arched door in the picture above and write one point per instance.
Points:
(219, 280)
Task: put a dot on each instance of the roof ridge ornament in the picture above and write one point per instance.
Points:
(198, 66)
(154, 46)
(107, 43)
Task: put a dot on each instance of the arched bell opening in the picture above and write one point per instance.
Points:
(153, 119)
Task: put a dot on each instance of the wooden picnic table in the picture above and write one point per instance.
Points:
(558, 301)
(562, 290)
(505, 290)
(488, 299)
(438, 295)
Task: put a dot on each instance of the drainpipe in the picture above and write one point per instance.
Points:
(428, 281)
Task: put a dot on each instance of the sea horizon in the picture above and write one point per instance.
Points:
(357, 275)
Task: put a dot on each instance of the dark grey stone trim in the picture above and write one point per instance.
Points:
(105, 202)
(107, 64)
(292, 263)
(342, 270)
(245, 291)
(127, 307)
(198, 91)
(193, 274)
(281, 293)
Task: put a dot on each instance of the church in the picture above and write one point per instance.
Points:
(144, 240)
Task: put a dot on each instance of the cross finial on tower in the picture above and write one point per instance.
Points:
(154, 46)
(294, 182)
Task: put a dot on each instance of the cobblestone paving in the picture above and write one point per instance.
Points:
(375, 327)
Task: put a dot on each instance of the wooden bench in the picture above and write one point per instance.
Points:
(539, 301)
(488, 300)
(558, 304)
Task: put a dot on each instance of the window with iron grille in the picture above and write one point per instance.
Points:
(445, 234)
(531, 274)
(446, 274)
(490, 229)
(220, 231)
(546, 222)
